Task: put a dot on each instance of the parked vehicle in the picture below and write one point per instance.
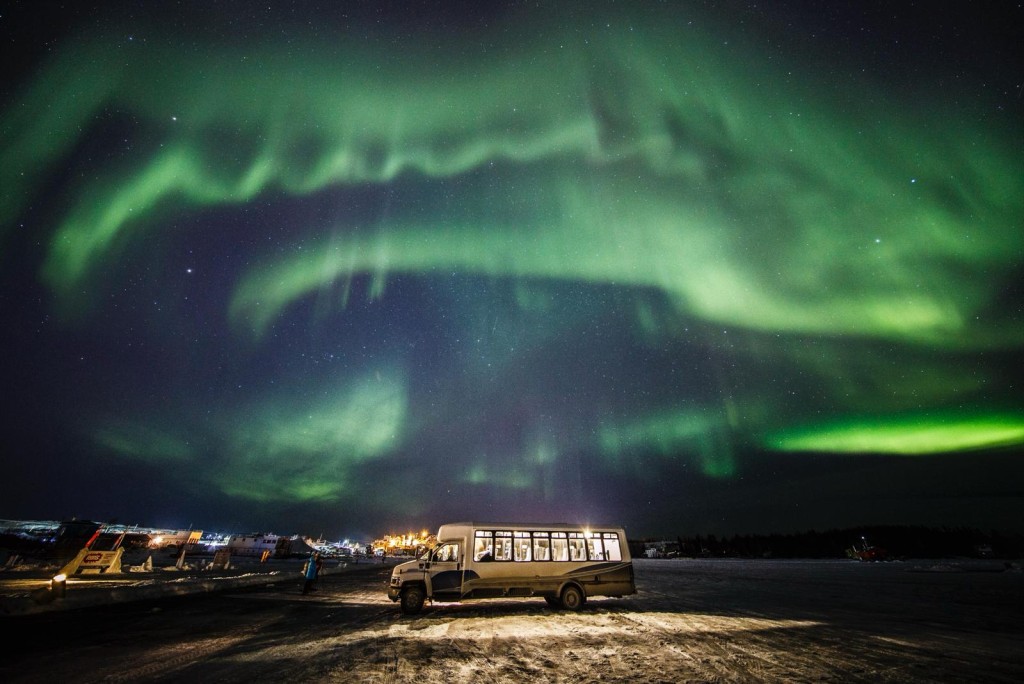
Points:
(565, 564)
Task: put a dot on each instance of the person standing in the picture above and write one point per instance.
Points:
(312, 569)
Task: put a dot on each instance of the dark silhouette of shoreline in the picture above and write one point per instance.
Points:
(890, 542)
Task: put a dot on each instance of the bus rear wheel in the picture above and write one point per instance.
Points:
(412, 600)
(572, 598)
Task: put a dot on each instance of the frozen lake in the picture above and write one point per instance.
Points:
(691, 621)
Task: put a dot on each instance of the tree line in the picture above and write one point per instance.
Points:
(881, 542)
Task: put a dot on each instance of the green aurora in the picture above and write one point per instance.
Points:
(735, 192)
(911, 435)
(864, 242)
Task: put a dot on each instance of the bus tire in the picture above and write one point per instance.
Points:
(412, 600)
(572, 598)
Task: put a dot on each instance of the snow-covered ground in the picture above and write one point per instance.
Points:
(691, 621)
(721, 620)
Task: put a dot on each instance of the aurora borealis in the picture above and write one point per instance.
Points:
(684, 268)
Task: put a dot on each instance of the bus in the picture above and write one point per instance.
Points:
(564, 564)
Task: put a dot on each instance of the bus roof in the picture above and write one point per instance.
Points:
(537, 526)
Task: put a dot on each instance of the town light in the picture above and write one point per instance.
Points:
(58, 585)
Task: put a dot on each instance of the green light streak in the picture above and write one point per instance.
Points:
(915, 435)
(310, 455)
(140, 442)
(672, 435)
(642, 158)
(307, 452)
(516, 476)
(616, 232)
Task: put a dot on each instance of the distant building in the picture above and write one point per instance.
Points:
(268, 546)
(404, 544)
(165, 539)
(253, 545)
(661, 549)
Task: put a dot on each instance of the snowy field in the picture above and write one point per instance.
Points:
(691, 621)
(765, 621)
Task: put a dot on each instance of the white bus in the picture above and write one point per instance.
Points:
(562, 563)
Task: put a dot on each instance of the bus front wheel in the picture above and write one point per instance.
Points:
(412, 600)
(572, 598)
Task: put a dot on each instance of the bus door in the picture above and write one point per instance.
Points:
(445, 572)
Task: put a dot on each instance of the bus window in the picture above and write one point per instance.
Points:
(503, 546)
(595, 549)
(559, 546)
(521, 548)
(577, 547)
(447, 553)
(541, 546)
(611, 547)
(483, 547)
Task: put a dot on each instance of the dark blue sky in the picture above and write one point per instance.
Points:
(342, 271)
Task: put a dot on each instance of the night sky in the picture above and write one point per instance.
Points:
(341, 269)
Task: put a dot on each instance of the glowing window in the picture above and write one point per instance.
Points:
(503, 546)
(611, 547)
(595, 548)
(521, 546)
(541, 546)
(577, 547)
(447, 553)
(559, 546)
(483, 545)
